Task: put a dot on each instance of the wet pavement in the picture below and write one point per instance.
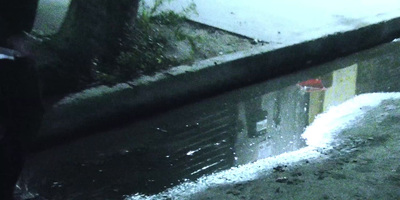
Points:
(234, 129)
(266, 21)
(286, 22)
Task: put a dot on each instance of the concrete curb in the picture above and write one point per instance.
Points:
(102, 108)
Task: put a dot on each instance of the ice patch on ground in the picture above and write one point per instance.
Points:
(318, 135)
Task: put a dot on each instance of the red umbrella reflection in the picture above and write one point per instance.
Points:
(312, 85)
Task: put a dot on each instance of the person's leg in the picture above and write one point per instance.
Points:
(20, 116)
(11, 166)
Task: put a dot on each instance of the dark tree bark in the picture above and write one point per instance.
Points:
(16, 16)
(93, 30)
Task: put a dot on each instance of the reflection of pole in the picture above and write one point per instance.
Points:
(315, 105)
(277, 109)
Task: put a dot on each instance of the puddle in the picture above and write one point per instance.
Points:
(228, 139)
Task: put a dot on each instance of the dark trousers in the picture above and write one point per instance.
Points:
(12, 159)
(20, 116)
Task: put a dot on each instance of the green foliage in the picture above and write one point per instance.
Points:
(143, 49)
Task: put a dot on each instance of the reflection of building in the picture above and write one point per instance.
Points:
(281, 116)
(255, 115)
(375, 70)
(271, 124)
(341, 87)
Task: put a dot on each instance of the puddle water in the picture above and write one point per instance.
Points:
(214, 135)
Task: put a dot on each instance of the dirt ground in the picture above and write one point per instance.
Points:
(363, 164)
(209, 42)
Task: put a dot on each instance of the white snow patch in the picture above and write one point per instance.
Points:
(321, 132)
(234, 175)
(318, 135)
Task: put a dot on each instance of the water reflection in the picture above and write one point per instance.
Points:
(270, 124)
(234, 129)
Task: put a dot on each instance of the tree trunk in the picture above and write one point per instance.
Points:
(92, 32)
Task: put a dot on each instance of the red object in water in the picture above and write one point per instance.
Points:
(312, 85)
